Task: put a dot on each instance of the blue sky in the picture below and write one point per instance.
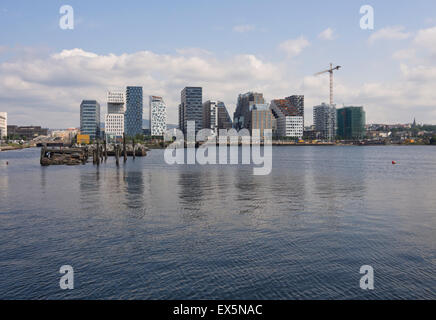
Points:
(210, 37)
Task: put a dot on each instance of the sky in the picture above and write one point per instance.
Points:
(226, 47)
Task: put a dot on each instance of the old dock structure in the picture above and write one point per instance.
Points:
(98, 151)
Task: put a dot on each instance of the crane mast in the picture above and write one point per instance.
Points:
(330, 71)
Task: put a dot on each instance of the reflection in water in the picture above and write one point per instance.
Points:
(147, 230)
(134, 190)
(193, 186)
(43, 178)
(4, 184)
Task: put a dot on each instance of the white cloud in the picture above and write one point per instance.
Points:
(426, 38)
(390, 33)
(243, 28)
(46, 89)
(404, 54)
(327, 34)
(294, 47)
(49, 90)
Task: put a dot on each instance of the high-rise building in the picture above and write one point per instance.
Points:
(289, 121)
(191, 108)
(114, 125)
(115, 101)
(351, 123)
(298, 102)
(3, 124)
(215, 116)
(90, 118)
(181, 118)
(324, 120)
(114, 119)
(261, 118)
(157, 116)
(242, 115)
(134, 110)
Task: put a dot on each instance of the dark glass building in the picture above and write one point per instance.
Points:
(90, 118)
(191, 108)
(215, 116)
(242, 115)
(351, 123)
(134, 110)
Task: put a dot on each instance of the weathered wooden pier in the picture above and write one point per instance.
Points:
(99, 152)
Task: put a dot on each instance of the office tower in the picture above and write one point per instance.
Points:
(224, 119)
(289, 122)
(3, 124)
(115, 101)
(114, 119)
(134, 110)
(191, 108)
(324, 119)
(114, 125)
(298, 102)
(157, 116)
(90, 118)
(181, 118)
(216, 116)
(261, 118)
(242, 115)
(351, 123)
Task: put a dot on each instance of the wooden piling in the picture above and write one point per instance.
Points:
(97, 150)
(105, 150)
(117, 154)
(133, 148)
(85, 156)
(124, 147)
(43, 149)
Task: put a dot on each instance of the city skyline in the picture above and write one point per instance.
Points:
(389, 70)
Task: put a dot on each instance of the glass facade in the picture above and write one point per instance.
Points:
(351, 123)
(134, 110)
(242, 116)
(216, 116)
(90, 118)
(191, 108)
(261, 118)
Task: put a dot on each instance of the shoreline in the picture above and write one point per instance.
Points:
(13, 148)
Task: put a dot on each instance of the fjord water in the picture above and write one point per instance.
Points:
(148, 230)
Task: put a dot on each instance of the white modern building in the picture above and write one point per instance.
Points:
(294, 126)
(114, 125)
(3, 124)
(115, 101)
(114, 119)
(324, 120)
(288, 121)
(157, 116)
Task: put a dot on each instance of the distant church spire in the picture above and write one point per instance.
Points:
(414, 123)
